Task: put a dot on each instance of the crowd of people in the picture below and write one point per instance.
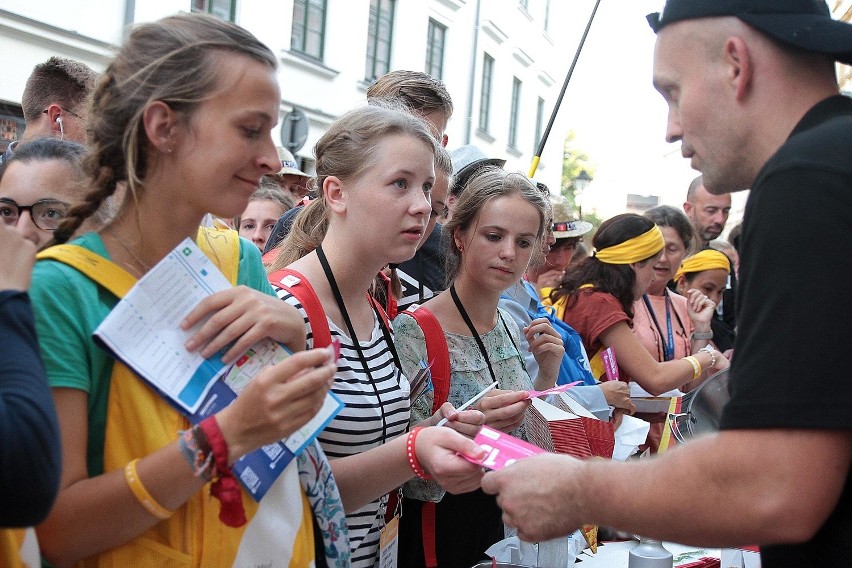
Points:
(471, 276)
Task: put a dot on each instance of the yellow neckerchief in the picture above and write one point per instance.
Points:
(139, 422)
(707, 259)
(633, 250)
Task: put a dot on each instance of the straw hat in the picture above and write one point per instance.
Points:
(564, 224)
(288, 163)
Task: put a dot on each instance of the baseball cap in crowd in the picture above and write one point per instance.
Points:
(564, 224)
(466, 160)
(806, 24)
(288, 163)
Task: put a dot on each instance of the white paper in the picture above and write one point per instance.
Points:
(144, 328)
(629, 436)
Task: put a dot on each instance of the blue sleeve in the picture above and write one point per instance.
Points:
(523, 319)
(30, 455)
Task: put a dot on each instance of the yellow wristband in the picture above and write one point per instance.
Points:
(142, 494)
(696, 366)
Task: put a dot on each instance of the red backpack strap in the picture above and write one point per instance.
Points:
(295, 283)
(436, 351)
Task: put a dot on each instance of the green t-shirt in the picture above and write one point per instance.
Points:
(69, 306)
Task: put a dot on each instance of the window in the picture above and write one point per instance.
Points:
(485, 91)
(436, 36)
(539, 119)
(516, 109)
(225, 9)
(379, 35)
(308, 27)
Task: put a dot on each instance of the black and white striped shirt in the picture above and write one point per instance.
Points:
(358, 427)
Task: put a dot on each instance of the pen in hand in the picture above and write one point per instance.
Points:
(470, 402)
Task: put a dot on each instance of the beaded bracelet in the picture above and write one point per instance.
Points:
(411, 452)
(712, 352)
(145, 499)
(696, 366)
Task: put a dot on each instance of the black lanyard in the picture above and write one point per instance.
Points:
(668, 346)
(345, 314)
(475, 334)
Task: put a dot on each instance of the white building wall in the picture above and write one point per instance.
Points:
(515, 38)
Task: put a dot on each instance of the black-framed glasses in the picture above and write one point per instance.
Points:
(71, 112)
(45, 213)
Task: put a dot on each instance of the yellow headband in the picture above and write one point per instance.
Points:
(707, 259)
(633, 250)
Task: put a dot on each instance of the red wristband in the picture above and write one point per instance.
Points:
(411, 452)
(226, 488)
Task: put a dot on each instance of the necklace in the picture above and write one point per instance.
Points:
(141, 263)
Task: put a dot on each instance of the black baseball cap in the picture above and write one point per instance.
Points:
(806, 24)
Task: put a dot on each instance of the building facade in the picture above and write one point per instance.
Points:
(503, 61)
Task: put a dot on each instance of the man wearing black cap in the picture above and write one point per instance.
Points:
(753, 100)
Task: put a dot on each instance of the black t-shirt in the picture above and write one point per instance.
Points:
(791, 363)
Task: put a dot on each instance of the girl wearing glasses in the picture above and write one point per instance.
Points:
(39, 183)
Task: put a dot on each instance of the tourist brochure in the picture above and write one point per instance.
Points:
(143, 331)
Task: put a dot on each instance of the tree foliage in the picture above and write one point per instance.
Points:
(574, 161)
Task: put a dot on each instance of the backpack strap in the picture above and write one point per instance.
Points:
(97, 268)
(296, 284)
(436, 351)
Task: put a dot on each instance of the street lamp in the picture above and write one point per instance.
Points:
(581, 182)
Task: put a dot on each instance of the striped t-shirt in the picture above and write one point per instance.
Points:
(358, 427)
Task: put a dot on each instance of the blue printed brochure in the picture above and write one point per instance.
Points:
(143, 331)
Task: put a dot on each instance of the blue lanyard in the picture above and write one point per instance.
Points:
(668, 346)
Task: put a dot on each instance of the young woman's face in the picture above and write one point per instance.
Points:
(497, 247)
(711, 283)
(227, 146)
(52, 185)
(258, 220)
(645, 275)
(670, 259)
(387, 207)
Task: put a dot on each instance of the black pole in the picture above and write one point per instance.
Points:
(544, 136)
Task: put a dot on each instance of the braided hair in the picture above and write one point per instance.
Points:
(171, 60)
